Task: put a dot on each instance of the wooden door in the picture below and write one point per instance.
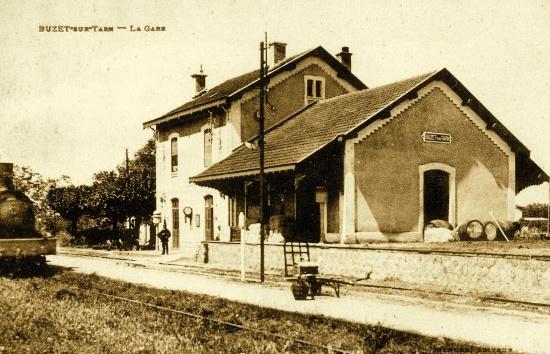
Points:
(175, 223)
(208, 218)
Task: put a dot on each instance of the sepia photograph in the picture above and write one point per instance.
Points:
(239, 176)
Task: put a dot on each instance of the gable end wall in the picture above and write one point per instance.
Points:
(389, 152)
(287, 96)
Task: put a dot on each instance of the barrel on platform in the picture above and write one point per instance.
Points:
(471, 230)
(493, 233)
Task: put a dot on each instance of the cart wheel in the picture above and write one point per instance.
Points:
(39, 266)
(315, 287)
(300, 289)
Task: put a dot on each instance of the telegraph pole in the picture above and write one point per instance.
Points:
(127, 163)
(263, 74)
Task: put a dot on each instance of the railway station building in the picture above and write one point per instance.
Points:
(378, 164)
(211, 126)
(344, 163)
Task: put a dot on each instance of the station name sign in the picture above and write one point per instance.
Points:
(441, 138)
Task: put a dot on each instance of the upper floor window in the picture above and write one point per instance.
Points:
(174, 155)
(314, 88)
(207, 147)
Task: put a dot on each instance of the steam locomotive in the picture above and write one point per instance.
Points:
(20, 243)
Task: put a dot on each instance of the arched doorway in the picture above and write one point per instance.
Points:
(175, 223)
(208, 218)
(437, 195)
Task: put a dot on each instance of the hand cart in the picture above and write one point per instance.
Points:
(304, 274)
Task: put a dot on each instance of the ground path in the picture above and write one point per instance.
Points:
(518, 330)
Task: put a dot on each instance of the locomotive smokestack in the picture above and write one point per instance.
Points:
(6, 176)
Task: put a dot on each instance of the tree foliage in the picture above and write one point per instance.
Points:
(37, 187)
(67, 201)
(138, 182)
(128, 191)
(106, 198)
(118, 195)
(535, 210)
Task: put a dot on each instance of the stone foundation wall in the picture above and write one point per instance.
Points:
(512, 277)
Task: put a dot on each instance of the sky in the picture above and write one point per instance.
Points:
(70, 103)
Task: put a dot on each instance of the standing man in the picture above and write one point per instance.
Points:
(164, 235)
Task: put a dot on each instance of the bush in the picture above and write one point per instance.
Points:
(51, 223)
(95, 236)
(86, 222)
(128, 237)
(533, 229)
(65, 239)
(102, 238)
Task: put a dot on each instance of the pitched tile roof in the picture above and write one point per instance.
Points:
(312, 128)
(236, 85)
(218, 92)
(307, 131)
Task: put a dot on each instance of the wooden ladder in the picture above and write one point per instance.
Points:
(294, 252)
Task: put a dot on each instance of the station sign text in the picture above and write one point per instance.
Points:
(430, 137)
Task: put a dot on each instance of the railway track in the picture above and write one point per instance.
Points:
(486, 299)
(463, 253)
(358, 287)
(187, 314)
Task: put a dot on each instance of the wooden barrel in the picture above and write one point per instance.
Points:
(492, 231)
(471, 231)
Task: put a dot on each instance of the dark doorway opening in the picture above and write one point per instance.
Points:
(436, 195)
(307, 212)
(208, 218)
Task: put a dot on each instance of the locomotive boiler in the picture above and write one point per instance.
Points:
(19, 240)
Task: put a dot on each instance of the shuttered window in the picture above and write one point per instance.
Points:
(174, 154)
(207, 147)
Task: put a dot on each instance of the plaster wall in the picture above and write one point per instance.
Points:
(386, 167)
(288, 96)
(191, 162)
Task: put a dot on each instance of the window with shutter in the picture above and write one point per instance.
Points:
(207, 147)
(174, 155)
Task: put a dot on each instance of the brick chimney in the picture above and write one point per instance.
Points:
(200, 81)
(279, 52)
(345, 57)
